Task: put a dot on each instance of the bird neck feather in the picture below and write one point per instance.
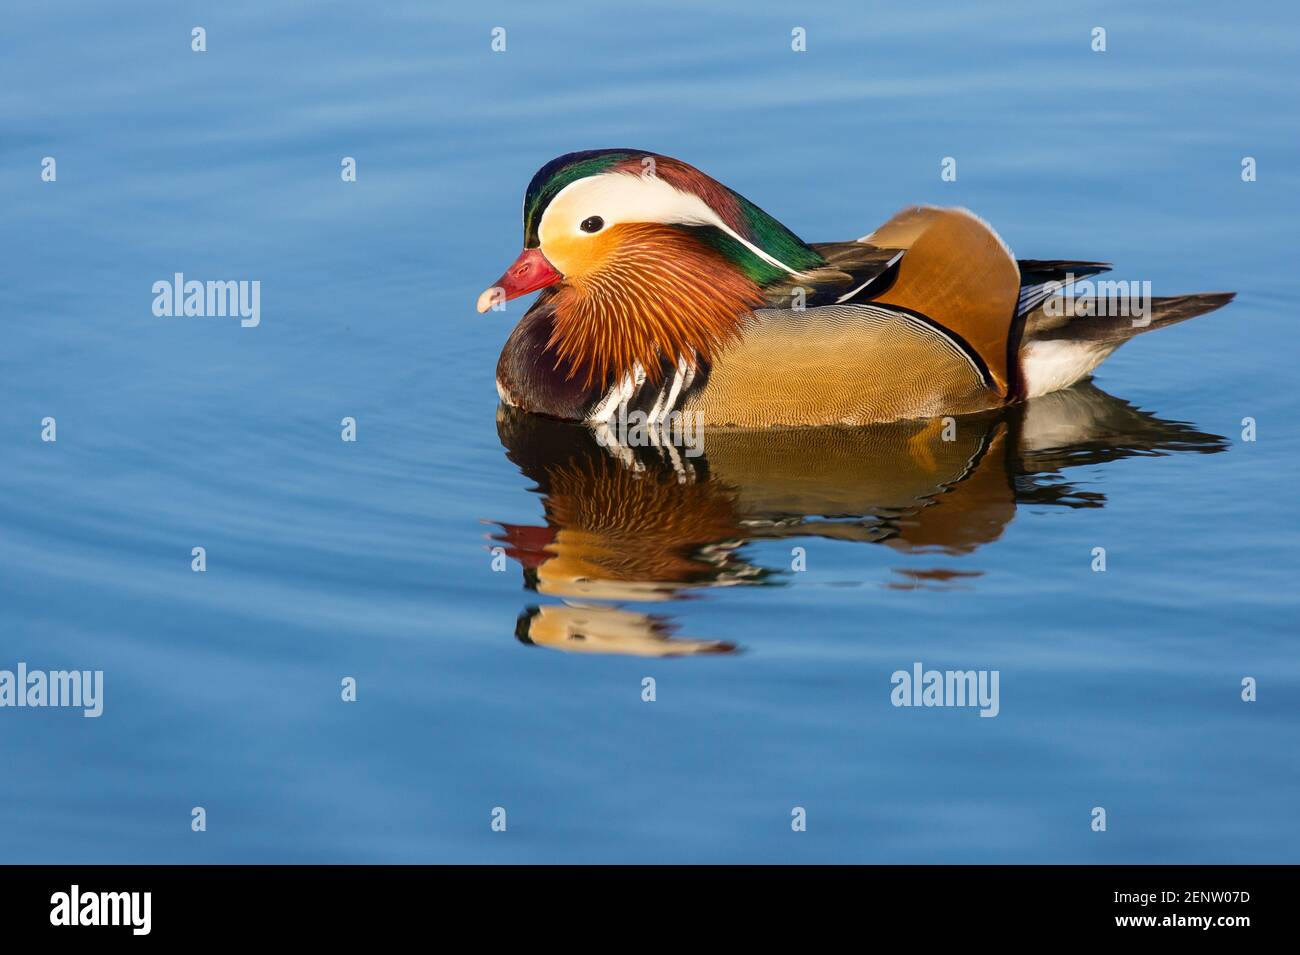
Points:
(664, 293)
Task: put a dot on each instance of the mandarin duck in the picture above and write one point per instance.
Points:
(663, 291)
(613, 532)
(620, 531)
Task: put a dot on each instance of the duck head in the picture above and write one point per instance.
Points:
(645, 260)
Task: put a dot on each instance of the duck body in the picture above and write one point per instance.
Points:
(665, 293)
(831, 364)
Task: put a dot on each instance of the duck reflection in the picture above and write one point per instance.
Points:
(647, 524)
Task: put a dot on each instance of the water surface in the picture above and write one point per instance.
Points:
(374, 559)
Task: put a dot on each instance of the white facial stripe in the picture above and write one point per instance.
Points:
(625, 197)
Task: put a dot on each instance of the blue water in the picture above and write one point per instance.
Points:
(373, 559)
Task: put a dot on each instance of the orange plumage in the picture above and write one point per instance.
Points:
(654, 292)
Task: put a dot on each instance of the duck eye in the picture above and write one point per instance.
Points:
(592, 224)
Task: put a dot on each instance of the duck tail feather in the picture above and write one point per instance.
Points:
(1081, 320)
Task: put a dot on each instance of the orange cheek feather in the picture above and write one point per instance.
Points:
(576, 257)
